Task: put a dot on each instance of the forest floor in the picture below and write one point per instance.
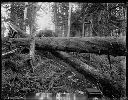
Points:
(53, 75)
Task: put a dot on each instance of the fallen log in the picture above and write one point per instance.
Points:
(108, 86)
(98, 45)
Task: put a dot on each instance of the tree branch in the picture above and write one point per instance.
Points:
(7, 54)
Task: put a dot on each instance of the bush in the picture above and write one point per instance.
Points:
(46, 33)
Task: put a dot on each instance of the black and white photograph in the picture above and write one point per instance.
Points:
(63, 51)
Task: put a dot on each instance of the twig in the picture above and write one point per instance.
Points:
(9, 53)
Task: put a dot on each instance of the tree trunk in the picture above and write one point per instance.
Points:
(69, 18)
(90, 27)
(55, 16)
(31, 16)
(98, 45)
(25, 15)
(32, 44)
(83, 30)
(34, 8)
(108, 86)
(17, 14)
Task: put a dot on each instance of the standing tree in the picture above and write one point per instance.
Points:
(33, 8)
(25, 15)
(55, 16)
(17, 14)
(69, 18)
(60, 18)
(76, 23)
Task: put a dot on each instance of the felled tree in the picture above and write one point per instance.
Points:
(105, 45)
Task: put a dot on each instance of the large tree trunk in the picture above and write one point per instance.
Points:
(98, 45)
(33, 9)
(108, 86)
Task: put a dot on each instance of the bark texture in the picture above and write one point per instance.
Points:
(98, 45)
(108, 86)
